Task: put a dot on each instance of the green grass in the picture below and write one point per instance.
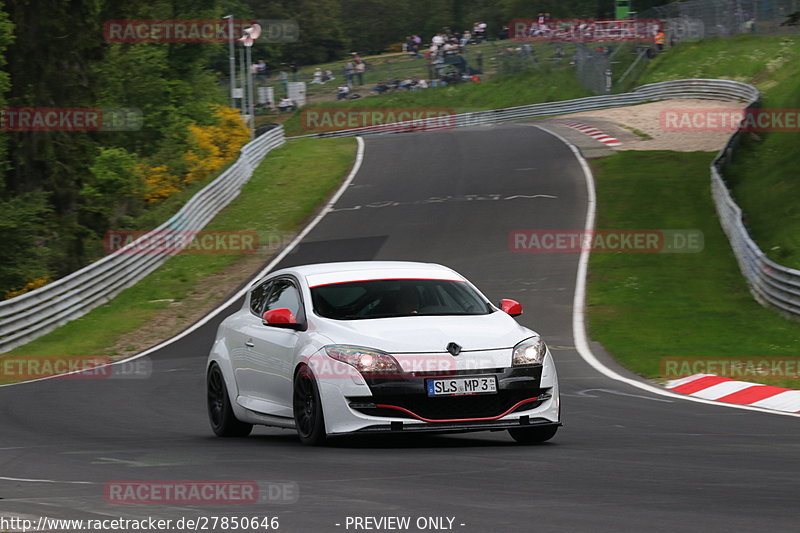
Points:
(289, 185)
(747, 58)
(644, 307)
(546, 84)
(394, 65)
(764, 173)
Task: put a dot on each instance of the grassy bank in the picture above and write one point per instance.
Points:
(763, 176)
(289, 185)
(491, 58)
(545, 84)
(645, 307)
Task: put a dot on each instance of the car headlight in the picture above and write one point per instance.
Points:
(529, 352)
(364, 359)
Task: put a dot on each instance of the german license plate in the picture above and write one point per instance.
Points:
(461, 386)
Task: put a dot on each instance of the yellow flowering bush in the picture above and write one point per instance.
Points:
(215, 145)
(31, 285)
(159, 183)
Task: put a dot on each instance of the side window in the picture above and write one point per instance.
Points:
(258, 296)
(284, 295)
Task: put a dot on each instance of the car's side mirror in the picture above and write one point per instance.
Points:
(512, 307)
(280, 318)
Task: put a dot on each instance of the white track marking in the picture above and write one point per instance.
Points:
(719, 390)
(579, 311)
(24, 480)
(775, 398)
(439, 200)
(784, 401)
(214, 312)
(594, 133)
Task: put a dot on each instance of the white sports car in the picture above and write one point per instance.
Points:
(363, 347)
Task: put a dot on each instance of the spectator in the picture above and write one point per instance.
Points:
(660, 39)
(284, 79)
(342, 92)
(466, 37)
(349, 71)
(360, 68)
(328, 76)
(408, 83)
(317, 78)
(381, 88)
(482, 30)
(286, 105)
(504, 33)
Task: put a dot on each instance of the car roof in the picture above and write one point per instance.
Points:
(341, 272)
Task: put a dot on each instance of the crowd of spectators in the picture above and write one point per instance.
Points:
(442, 55)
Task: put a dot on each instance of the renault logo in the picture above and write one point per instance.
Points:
(454, 349)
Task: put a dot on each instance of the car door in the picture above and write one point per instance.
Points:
(273, 351)
(241, 341)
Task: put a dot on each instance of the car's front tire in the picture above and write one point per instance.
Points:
(533, 435)
(220, 413)
(308, 416)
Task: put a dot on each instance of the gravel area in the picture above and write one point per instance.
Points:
(647, 118)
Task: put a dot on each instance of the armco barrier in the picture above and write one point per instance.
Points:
(769, 282)
(695, 88)
(35, 313)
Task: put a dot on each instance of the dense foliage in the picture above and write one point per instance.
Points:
(62, 190)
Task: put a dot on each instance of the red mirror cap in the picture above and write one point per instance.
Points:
(512, 307)
(277, 317)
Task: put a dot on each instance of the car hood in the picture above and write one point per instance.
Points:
(428, 334)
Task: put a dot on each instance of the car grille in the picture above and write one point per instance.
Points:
(446, 408)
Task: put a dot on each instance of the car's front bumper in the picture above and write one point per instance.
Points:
(526, 396)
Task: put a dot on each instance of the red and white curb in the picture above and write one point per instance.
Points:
(594, 133)
(719, 389)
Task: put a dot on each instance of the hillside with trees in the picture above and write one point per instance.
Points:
(62, 190)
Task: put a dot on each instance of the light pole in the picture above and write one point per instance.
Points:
(248, 45)
(243, 82)
(250, 35)
(231, 60)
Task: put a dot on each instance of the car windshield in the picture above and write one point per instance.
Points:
(388, 298)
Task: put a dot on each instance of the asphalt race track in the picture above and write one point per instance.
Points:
(625, 460)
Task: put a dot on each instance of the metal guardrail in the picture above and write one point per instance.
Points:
(33, 314)
(769, 282)
(694, 88)
(38, 312)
